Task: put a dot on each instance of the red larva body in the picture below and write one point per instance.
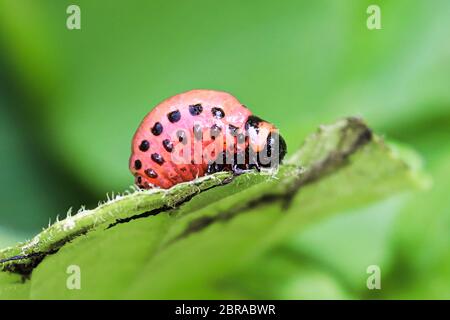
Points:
(196, 113)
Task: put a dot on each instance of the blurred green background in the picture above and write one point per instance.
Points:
(70, 101)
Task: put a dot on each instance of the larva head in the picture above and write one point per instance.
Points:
(265, 141)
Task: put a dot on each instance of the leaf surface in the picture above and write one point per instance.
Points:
(194, 239)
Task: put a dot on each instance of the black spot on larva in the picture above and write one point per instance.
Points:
(156, 157)
(139, 180)
(137, 164)
(174, 116)
(198, 132)
(233, 130)
(215, 131)
(144, 146)
(168, 145)
(253, 122)
(151, 173)
(195, 109)
(182, 136)
(157, 129)
(217, 113)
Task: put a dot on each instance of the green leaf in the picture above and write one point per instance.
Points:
(283, 275)
(13, 286)
(194, 239)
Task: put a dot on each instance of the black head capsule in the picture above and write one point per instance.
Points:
(273, 152)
